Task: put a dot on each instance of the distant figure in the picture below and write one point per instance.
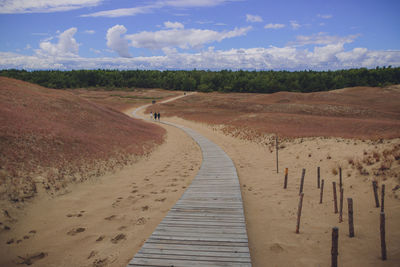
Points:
(158, 116)
(155, 116)
(151, 115)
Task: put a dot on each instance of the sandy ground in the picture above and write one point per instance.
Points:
(104, 222)
(271, 211)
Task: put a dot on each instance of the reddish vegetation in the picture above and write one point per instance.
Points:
(123, 100)
(62, 137)
(360, 112)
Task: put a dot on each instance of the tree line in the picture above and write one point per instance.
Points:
(208, 81)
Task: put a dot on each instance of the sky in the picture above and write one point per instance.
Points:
(199, 34)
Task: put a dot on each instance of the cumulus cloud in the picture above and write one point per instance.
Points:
(253, 18)
(43, 6)
(66, 46)
(132, 11)
(332, 56)
(323, 39)
(173, 25)
(182, 38)
(117, 41)
(274, 26)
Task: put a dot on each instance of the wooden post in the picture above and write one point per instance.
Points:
(351, 223)
(341, 206)
(318, 177)
(286, 177)
(383, 199)
(340, 178)
(383, 240)
(299, 213)
(277, 162)
(334, 197)
(375, 187)
(322, 192)
(303, 173)
(334, 251)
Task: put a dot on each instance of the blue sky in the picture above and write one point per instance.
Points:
(202, 34)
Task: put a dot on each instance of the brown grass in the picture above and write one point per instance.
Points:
(360, 112)
(52, 137)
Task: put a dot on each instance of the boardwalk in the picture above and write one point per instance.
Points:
(206, 227)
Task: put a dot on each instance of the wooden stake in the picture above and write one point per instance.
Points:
(340, 178)
(303, 173)
(383, 240)
(286, 177)
(375, 188)
(299, 213)
(322, 191)
(383, 199)
(334, 197)
(277, 164)
(341, 206)
(334, 251)
(351, 223)
(318, 177)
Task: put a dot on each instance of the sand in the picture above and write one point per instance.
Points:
(104, 222)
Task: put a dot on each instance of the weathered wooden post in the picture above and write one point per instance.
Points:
(335, 251)
(303, 173)
(334, 197)
(350, 210)
(340, 178)
(383, 240)
(341, 205)
(375, 188)
(286, 178)
(383, 199)
(299, 213)
(318, 177)
(322, 192)
(277, 162)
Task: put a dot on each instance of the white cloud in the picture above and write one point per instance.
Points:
(253, 18)
(274, 26)
(90, 31)
(173, 25)
(117, 42)
(294, 24)
(133, 11)
(326, 16)
(322, 39)
(182, 38)
(327, 57)
(66, 46)
(43, 6)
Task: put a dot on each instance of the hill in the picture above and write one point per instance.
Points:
(358, 112)
(49, 138)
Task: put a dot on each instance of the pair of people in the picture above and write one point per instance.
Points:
(155, 115)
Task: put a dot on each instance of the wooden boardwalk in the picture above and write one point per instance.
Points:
(206, 227)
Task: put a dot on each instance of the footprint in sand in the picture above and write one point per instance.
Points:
(144, 208)
(100, 238)
(118, 238)
(31, 259)
(76, 231)
(92, 254)
(161, 199)
(134, 191)
(122, 228)
(110, 218)
(100, 262)
(141, 221)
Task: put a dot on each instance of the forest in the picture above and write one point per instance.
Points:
(208, 81)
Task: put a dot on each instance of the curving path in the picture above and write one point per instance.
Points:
(206, 227)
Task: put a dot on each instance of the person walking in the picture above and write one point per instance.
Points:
(158, 116)
(155, 116)
(151, 115)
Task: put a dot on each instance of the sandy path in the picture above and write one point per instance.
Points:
(271, 211)
(104, 222)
